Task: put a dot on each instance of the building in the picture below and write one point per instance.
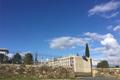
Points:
(79, 64)
(4, 51)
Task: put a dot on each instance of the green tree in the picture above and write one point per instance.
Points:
(6, 59)
(117, 66)
(3, 58)
(17, 59)
(87, 53)
(28, 59)
(103, 64)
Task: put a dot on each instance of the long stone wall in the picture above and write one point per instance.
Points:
(41, 72)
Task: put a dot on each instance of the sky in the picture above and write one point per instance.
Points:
(54, 28)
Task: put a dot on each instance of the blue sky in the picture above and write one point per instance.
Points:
(43, 26)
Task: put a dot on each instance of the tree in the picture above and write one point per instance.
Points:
(117, 66)
(28, 59)
(87, 53)
(103, 64)
(3, 58)
(17, 59)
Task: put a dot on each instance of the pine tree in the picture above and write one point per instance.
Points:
(87, 53)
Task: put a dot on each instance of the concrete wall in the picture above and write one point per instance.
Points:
(82, 65)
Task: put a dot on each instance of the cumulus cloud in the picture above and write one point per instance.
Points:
(94, 36)
(102, 9)
(109, 46)
(114, 60)
(108, 42)
(117, 29)
(66, 42)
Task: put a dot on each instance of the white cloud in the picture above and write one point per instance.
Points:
(102, 9)
(108, 16)
(94, 36)
(109, 46)
(117, 29)
(113, 15)
(66, 42)
(114, 60)
(109, 41)
(95, 62)
(98, 49)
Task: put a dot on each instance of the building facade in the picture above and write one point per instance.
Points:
(79, 64)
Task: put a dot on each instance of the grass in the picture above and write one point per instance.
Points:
(22, 77)
(18, 77)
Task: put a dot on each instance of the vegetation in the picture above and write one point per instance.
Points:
(117, 66)
(22, 77)
(87, 53)
(28, 58)
(18, 77)
(17, 59)
(3, 58)
(103, 64)
(14, 72)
